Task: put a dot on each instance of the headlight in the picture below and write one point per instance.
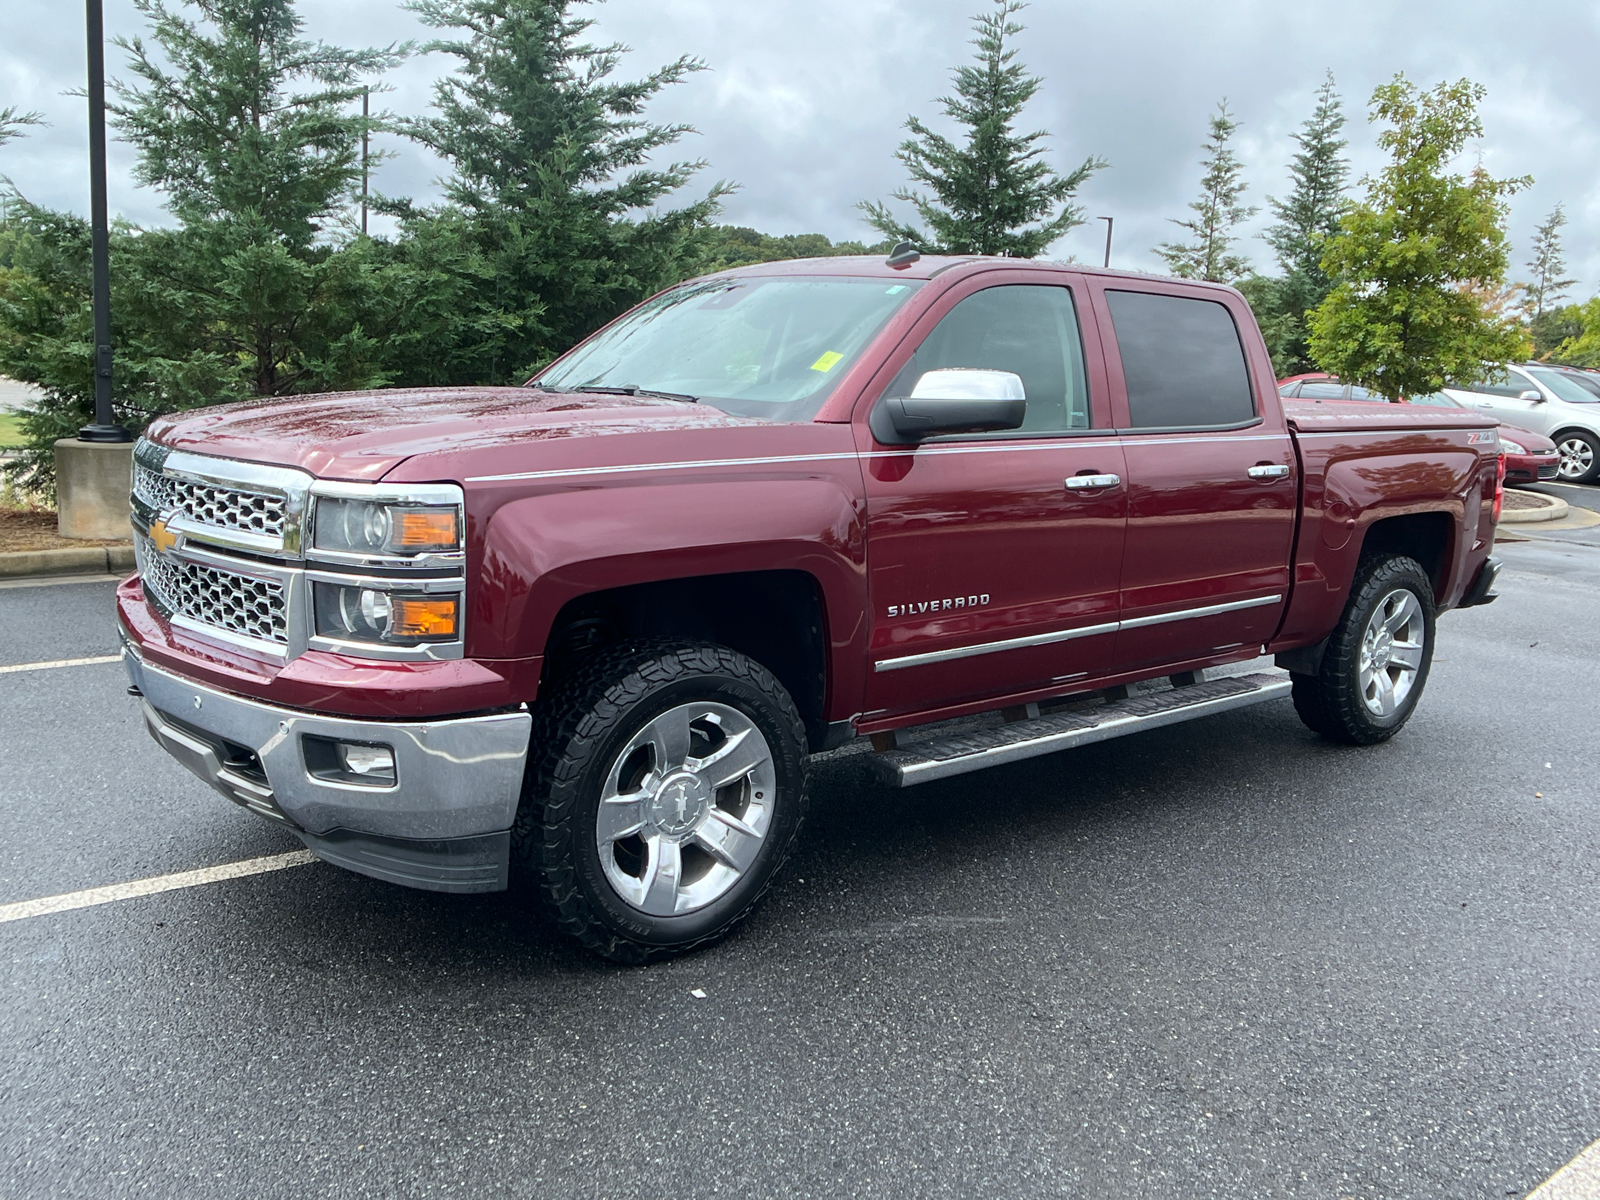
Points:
(376, 528)
(395, 618)
(1511, 447)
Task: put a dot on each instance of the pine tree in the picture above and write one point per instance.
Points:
(551, 225)
(1217, 212)
(1305, 221)
(1413, 262)
(993, 194)
(1548, 262)
(247, 129)
(13, 122)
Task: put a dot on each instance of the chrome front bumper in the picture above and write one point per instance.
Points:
(444, 824)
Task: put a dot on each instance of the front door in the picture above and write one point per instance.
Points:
(1211, 477)
(990, 574)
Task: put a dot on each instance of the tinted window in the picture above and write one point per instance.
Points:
(1026, 329)
(1361, 393)
(1322, 390)
(1435, 400)
(1501, 383)
(1182, 361)
(1289, 390)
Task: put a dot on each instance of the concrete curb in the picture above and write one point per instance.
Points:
(74, 560)
(1555, 508)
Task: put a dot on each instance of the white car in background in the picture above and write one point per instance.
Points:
(1546, 400)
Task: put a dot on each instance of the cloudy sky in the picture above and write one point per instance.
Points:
(804, 100)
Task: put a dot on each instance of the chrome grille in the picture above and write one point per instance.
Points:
(256, 608)
(208, 504)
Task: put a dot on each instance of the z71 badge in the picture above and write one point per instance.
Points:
(919, 607)
(1483, 437)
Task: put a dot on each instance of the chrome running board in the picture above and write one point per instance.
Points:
(940, 758)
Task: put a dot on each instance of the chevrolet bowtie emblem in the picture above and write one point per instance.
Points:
(162, 538)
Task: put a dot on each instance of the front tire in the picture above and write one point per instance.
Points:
(670, 788)
(1580, 456)
(1377, 661)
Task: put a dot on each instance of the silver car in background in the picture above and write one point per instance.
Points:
(1547, 400)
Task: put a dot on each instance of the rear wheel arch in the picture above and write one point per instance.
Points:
(1428, 538)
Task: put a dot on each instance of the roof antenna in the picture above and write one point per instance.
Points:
(903, 255)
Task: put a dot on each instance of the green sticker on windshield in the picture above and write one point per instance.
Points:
(827, 362)
(896, 289)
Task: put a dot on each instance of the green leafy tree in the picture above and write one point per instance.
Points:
(1305, 221)
(1546, 286)
(993, 193)
(1216, 213)
(1578, 327)
(1413, 263)
(552, 222)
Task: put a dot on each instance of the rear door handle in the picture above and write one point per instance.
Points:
(1274, 471)
(1078, 483)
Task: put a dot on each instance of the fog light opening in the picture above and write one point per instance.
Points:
(376, 762)
(363, 764)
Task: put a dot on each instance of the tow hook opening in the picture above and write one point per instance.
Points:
(357, 764)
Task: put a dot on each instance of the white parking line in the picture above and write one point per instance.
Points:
(1578, 1180)
(62, 662)
(45, 905)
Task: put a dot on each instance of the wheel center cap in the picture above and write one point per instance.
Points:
(1380, 652)
(679, 803)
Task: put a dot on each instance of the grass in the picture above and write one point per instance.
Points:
(10, 430)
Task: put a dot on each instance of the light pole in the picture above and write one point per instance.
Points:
(366, 99)
(104, 428)
(1109, 222)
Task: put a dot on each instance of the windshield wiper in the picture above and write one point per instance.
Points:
(633, 389)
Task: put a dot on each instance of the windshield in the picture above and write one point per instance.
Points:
(755, 347)
(1568, 389)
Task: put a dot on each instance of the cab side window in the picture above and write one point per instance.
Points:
(1027, 329)
(1182, 361)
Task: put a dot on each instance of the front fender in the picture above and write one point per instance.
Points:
(542, 551)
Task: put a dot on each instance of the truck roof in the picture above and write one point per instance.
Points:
(874, 266)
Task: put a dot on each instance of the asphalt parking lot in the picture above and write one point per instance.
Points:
(1219, 959)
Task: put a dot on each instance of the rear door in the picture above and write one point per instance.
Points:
(990, 575)
(1211, 475)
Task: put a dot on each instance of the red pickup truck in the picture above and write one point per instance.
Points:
(588, 631)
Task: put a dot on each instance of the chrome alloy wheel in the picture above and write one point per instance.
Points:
(1391, 652)
(686, 808)
(1577, 458)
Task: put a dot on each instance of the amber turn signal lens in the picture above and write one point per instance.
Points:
(423, 618)
(425, 527)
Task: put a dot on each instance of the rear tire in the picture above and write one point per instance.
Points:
(1377, 660)
(669, 788)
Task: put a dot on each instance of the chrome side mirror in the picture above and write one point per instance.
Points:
(953, 400)
(1530, 394)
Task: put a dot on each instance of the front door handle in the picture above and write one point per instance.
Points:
(1271, 471)
(1078, 483)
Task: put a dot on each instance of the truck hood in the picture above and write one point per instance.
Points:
(365, 435)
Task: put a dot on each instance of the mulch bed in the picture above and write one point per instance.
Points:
(1524, 501)
(35, 529)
